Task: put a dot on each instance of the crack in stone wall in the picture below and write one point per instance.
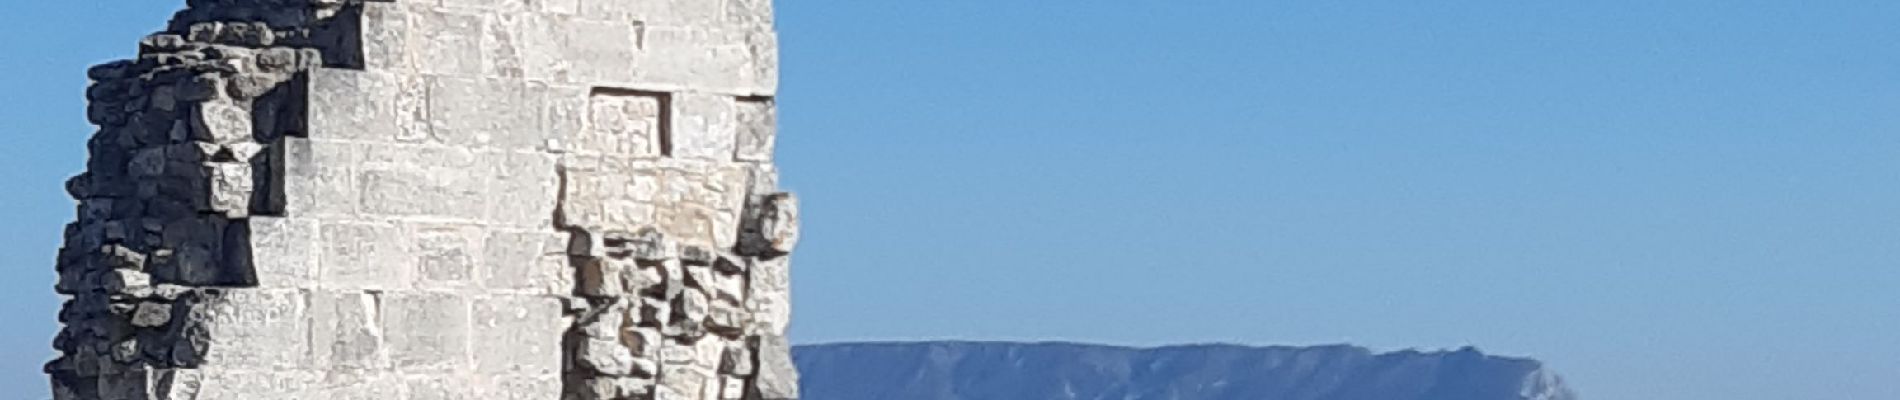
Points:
(433, 200)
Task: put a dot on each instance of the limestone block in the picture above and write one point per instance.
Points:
(345, 331)
(692, 306)
(358, 385)
(518, 335)
(611, 388)
(255, 329)
(778, 377)
(644, 342)
(605, 321)
(514, 261)
(624, 123)
(704, 58)
(749, 12)
(200, 88)
(519, 387)
(762, 65)
(727, 318)
(152, 315)
(769, 296)
(736, 359)
(601, 51)
(523, 189)
(412, 110)
(568, 7)
(320, 177)
(732, 389)
(485, 5)
(772, 225)
(284, 252)
(758, 129)
(427, 331)
(353, 104)
(657, 11)
(388, 40)
(708, 353)
(149, 162)
(231, 188)
(220, 122)
(445, 255)
(686, 382)
(602, 278)
(236, 384)
(362, 256)
(122, 281)
(425, 191)
(563, 114)
(501, 42)
(598, 199)
(544, 46)
(178, 384)
(605, 357)
(719, 285)
(476, 112)
(705, 126)
(451, 41)
(438, 387)
(690, 224)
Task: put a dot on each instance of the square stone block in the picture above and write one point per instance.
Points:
(427, 332)
(358, 385)
(706, 127)
(345, 331)
(523, 189)
(485, 112)
(519, 387)
(255, 329)
(600, 50)
(518, 335)
(363, 256)
(445, 256)
(625, 123)
(388, 38)
(520, 261)
(353, 105)
(501, 43)
(238, 384)
(758, 129)
(425, 191)
(451, 41)
(320, 177)
(284, 252)
(439, 387)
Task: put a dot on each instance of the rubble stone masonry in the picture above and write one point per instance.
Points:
(433, 199)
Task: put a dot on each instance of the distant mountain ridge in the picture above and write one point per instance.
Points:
(1073, 371)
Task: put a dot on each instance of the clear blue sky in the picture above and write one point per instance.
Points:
(1683, 200)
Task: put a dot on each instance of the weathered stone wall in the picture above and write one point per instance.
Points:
(445, 199)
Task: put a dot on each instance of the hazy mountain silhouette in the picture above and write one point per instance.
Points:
(1062, 371)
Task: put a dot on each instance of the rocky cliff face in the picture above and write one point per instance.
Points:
(1022, 371)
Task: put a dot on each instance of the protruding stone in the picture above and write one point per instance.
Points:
(220, 122)
(152, 315)
(125, 281)
(606, 357)
(771, 226)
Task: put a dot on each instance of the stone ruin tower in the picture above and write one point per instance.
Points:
(433, 199)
